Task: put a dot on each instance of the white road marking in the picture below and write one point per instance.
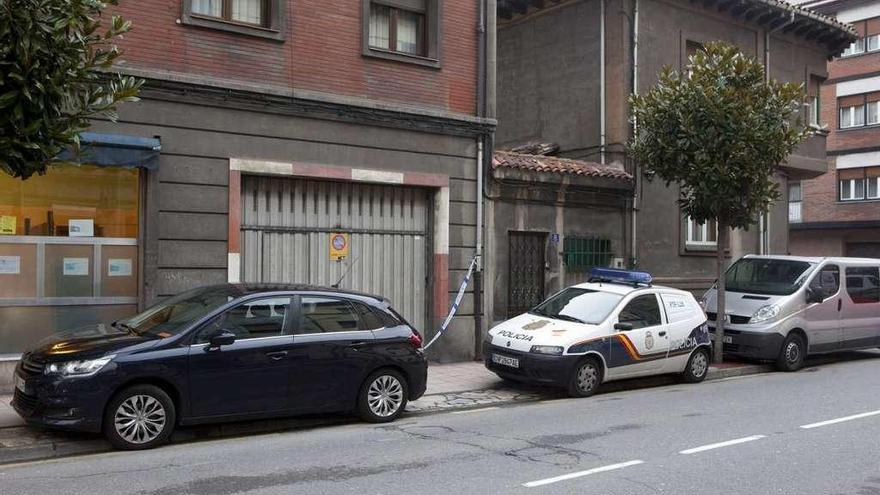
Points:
(721, 444)
(611, 467)
(482, 409)
(840, 420)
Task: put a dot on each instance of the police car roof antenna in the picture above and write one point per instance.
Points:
(345, 274)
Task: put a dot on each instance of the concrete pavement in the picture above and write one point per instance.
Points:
(459, 386)
(791, 433)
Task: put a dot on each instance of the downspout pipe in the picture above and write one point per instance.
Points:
(763, 225)
(602, 136)
(482, 111)
(635, 127)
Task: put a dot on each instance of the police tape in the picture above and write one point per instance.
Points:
(454, 308)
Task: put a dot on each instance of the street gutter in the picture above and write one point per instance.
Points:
(24, 444)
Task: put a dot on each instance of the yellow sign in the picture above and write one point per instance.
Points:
(338, 246)
(7, 225)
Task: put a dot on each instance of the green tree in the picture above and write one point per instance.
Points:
(55, 58)
(717, 132)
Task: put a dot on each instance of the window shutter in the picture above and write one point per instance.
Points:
(416, 5)
(873, 172)
(873, 96)
(873, 26)
(860, 27)
(851, 173)
(851, 101)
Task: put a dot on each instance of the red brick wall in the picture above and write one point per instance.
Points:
(820, 194)
(821, 204)
(322, 52)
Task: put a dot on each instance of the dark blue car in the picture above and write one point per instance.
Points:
(223, 353)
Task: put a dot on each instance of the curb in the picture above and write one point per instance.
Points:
(52, 446)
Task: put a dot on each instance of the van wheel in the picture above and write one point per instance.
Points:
(585, 379)
(139, 417)
(383, 397)
(791, 356)
(697, 366)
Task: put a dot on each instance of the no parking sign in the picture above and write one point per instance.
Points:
(338, 246)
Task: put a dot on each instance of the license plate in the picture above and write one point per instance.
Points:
(20, 384)
(506, 361)
(726, 340)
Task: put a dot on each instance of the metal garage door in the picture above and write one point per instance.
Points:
(286, 227)
(863, 249)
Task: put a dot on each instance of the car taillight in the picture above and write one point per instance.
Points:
(416, 340)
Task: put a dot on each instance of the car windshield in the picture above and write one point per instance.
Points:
(174, 314)
(767, 276)
(581, 305)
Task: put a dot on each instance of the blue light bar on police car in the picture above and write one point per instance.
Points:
(622, 276)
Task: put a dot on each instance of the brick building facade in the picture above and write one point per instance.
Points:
(278, 125)
(838, 213)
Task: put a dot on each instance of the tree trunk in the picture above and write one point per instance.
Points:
(720, 304)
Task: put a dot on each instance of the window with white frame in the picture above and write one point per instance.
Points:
(872, 43)
(852, 116)
(873, 111)
(852, 189)
(795, 202)
(701, 234)
(873, 187)
(855, 48)
(814, 111)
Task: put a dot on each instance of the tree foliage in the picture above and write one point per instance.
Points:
(718, 133)
(54, 61)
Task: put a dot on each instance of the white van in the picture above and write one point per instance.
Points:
(781, 308)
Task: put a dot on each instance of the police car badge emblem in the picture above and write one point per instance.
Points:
(649, 340)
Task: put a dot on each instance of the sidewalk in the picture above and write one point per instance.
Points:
(455, 386)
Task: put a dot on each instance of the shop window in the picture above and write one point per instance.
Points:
(580, 254)
(701, 234)
(71, 201)
(404, 30)
(863, 284)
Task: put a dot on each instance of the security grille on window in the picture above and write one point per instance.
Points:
(701, 234)
(795, 202)
(244, 11)
(398, 29)
(583, 253)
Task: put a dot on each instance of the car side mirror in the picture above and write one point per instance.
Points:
(221, 338)
(623, 327)
(814, 296)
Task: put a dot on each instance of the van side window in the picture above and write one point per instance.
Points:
(827, 281)
(641, 312)
(863, 284)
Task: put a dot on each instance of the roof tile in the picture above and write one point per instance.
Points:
(553, 164)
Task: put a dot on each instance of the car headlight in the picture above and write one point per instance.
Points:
(85, 367)
(554, 350)
(765, 313)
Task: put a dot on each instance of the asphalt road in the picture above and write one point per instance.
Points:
(736, 436)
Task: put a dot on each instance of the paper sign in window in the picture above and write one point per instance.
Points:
(76, 266)
(119, 267)
(81, 228)
(7, 225)
(10, 265)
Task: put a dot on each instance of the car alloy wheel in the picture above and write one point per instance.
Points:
(587, 378)
(385, 396)
(699, 364)
(140, 419)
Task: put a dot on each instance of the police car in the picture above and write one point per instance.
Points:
(615, 326)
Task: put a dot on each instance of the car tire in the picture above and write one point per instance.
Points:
(585, 378)
(792, 354)
(139, 417)
(383, 396)
(697, 366)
